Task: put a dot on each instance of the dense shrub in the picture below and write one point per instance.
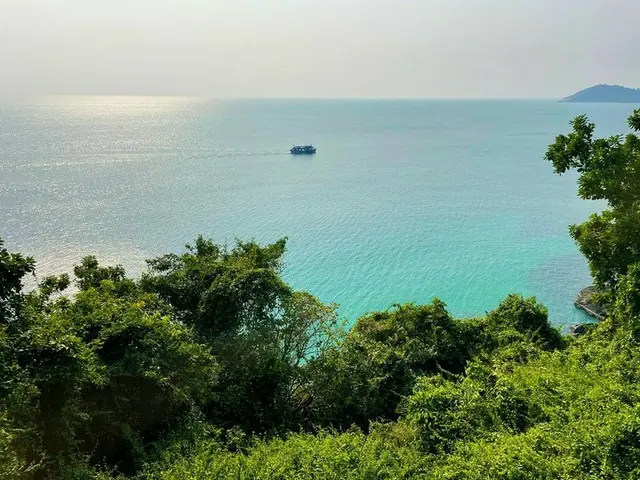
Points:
(387, 452)
(367, 376)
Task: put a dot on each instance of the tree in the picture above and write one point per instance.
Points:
(261, 331)
(13, 268)
(90, 274)
(100, 375)
(221, 291)
(609, 170)
(519, 318)
(264, 385)
(366, 377)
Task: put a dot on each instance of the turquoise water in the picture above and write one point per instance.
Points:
(404, 201)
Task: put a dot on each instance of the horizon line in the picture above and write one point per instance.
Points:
(231, 98)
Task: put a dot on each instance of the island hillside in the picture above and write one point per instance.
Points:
(605, 94)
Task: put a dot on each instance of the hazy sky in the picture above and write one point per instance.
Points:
(318, 48)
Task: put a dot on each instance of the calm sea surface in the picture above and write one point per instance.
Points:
(404, 201)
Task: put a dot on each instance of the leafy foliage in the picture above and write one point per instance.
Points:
(214, 338)
(211, 366)
(101, 374)
(262, 333)
(367, 375)
(609, 170)
(122, 365)
(13, 268)
(221, 291)
(387, 452)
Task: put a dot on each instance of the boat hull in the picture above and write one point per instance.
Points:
(303, 150)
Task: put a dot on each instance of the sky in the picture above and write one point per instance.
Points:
(318, 48)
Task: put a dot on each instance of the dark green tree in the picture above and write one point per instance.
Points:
(13, 268)
(262, 332)
(609, 170)
(367, 376)
(221, 291)
(99, 375)
(520, 320)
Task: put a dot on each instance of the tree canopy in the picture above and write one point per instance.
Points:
(609, 169)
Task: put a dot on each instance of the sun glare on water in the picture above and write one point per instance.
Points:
(110, 105)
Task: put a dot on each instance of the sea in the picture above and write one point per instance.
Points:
(404, 201)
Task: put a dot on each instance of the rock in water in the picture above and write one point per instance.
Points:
(577, 329)
(584, 301)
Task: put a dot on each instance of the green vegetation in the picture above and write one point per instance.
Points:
(210, 366)
(609, 170)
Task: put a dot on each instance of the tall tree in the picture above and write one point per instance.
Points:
(609, 170)
(261, 331)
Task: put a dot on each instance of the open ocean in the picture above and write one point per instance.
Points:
(404, 201)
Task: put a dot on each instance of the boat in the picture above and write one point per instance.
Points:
(303, 150)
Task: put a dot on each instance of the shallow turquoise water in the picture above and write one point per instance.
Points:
(405, 200)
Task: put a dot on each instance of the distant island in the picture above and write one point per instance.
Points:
(606, 94)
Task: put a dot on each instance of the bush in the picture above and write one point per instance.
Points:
(387, 452)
